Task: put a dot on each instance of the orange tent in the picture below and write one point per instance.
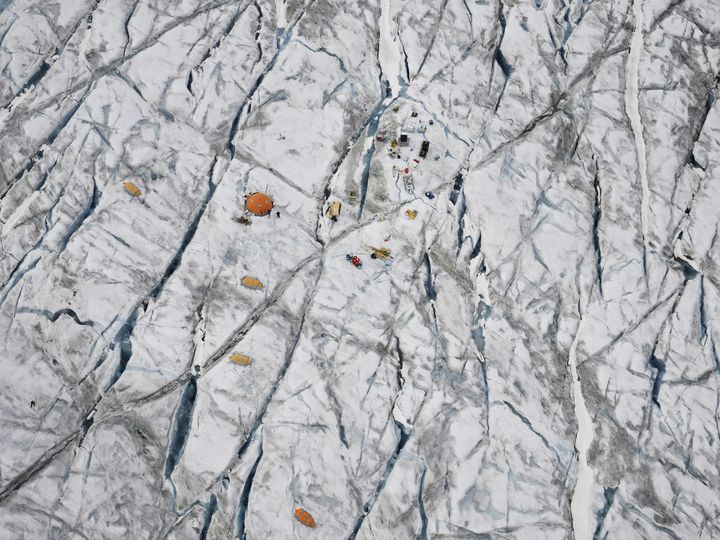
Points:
(304, 517)
(259, 204)
(251, 282)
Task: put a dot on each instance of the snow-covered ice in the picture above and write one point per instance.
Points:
(531, 353)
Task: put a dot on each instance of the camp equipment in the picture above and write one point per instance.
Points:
(333, 210)
(378, 253)
(355, 260)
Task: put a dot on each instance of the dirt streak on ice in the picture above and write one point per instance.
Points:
(632, 107)
(388, 53)
(580, 505)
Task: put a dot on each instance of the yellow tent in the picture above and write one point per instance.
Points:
(251, 282)
(240, 359)
(132, 189)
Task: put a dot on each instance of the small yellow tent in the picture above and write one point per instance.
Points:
(132, 189)
(251, 282)
(240, 359)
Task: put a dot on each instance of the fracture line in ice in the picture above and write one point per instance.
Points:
(389, 52)
(632, 107)
(580, 505)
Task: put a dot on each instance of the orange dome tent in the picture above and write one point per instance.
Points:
(259, 204)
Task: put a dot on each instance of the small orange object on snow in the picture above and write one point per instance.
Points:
(304, 517)
(132, 189)
(251, 282)
(240, 359)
